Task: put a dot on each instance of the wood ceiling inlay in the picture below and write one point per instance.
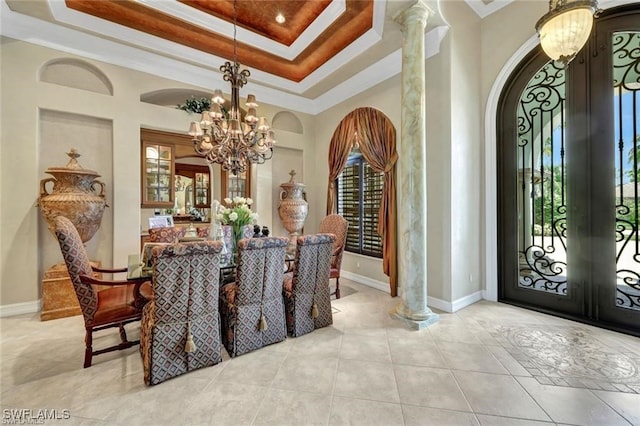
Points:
(355, 21)
(259, 15)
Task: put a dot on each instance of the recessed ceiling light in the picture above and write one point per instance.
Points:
(280, 18)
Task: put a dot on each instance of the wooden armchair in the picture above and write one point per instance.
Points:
(115, 306)
(306, 289)
(251, 308)
(180, 329)
(336, 225)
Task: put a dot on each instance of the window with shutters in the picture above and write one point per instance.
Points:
(359, 195)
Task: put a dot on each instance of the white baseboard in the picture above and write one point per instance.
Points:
(369, 282)
(20, 308)
(440, 304)
(465, 301)
(456, 305)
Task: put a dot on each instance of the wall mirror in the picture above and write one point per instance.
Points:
(192, 185)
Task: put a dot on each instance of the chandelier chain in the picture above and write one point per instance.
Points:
(235, 26)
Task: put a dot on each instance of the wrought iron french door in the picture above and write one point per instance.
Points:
(569, 180)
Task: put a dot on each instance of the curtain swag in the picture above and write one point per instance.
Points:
(377, 140)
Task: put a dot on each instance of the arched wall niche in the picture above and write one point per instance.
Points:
(285, 120)
(77, 74)
(172, 97)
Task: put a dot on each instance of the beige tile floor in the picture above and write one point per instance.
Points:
(488, 364)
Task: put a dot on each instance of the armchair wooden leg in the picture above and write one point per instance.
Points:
(88, 352)
(337, 288)
(123, 333)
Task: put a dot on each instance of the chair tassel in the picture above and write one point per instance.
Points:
(190, 346)
(263, 323)
(314, 311)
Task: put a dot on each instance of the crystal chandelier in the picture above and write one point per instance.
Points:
(565, 29)
(220, 136)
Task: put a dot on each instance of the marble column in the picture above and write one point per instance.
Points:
(412, 178)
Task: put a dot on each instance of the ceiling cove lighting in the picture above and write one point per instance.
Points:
(565, 29)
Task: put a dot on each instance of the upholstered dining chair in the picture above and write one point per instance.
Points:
(336, 225)
(180, 329)
(251, 308)
(306, 289)
(167, 234)
(202, 231)
(116, 305)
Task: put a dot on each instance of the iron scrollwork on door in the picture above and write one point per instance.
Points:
(626, 85)
(542, 231)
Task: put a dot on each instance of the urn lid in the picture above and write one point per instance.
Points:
(72, 166)
(291, 183)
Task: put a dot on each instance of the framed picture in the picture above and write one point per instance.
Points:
(160, 221)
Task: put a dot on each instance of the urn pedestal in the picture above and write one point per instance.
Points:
(78, 195)
(58, 297)
(292, 209)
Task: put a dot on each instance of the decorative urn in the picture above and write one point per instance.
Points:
(74, 195)
(293, 208)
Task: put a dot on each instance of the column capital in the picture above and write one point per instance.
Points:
(418, 11)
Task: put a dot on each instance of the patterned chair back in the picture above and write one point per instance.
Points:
(167, 234)
(336, 225)
(247, 231)
(310, 285)
(202, 231)
(257, 297)
(77, 261)
(184, 308)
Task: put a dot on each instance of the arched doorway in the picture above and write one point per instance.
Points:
(568, 172)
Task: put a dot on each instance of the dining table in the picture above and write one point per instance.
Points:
(139, 268)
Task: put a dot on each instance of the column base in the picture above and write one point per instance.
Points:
(415, 320)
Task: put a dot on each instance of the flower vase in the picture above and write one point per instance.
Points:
(237, 236)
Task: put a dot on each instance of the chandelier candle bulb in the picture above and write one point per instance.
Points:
(194, 129)
(251, 116)
(263, 125)
(215, 112)
(217, 97)
(206, 120)
(251, 102)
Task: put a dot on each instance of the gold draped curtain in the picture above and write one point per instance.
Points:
(377, 140)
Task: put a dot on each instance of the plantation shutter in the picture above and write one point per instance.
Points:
(359, 197)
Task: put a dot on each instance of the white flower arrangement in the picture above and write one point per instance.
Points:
(236, 213)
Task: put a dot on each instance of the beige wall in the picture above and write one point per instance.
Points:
(465, 143)
(71, 114)
(386, 98)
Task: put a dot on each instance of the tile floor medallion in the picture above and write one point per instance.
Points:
(570, 356)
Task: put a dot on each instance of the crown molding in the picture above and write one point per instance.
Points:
(159, 45)
(22, 27)
(483, 9)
